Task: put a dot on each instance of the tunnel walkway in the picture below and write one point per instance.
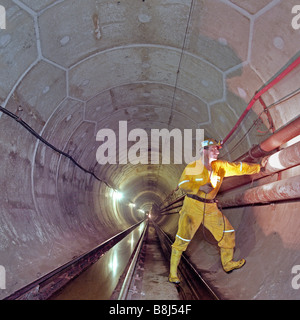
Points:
(150, 279)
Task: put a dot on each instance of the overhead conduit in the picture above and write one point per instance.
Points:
(285, 189)
(280, 190)
(283, 135)
(268, 146)
(265, 148)
(261, 91)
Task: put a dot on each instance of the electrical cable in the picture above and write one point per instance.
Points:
(34, 133)
(286, 97)
(180, 60)
(272, 82)
(243, 137)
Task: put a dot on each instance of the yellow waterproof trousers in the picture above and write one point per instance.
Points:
(191, 216)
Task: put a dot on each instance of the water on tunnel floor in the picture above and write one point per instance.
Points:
(150, 281)
(99, 281)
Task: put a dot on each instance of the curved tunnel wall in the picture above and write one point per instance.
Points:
(71, 68)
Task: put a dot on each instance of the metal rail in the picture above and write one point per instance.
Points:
(126, 284)
(192, 286)
(44, 287)
(191, 277)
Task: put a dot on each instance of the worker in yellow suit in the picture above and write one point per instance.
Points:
(201, 181)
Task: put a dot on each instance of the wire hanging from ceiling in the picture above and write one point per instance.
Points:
(180, 60)
(255, 122)
(39, 137)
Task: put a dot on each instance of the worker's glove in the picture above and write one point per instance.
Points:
(263, 164)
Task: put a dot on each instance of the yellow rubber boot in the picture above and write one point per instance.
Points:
(175, 259)
(228, 264)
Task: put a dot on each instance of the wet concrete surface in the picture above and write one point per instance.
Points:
(150, 281)
(99, 281)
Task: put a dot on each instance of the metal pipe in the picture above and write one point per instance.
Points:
(261, 91)
(281, 160)
(280, 190)
(283, 135)
(126, 284)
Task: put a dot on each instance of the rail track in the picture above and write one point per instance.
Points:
(191, 287)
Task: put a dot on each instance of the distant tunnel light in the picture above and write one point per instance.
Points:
(117, 195)
(141, 211)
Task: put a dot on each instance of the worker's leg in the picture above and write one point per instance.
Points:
(224, 233)
(188, 224)
(174, 262)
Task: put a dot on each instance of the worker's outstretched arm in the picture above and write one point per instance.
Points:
(235, 168)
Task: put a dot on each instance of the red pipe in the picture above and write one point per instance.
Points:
(283, 135)
(278, 78)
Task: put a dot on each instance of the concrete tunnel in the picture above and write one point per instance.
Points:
(72, 68)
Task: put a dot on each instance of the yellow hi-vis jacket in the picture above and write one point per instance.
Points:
(196, 175)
